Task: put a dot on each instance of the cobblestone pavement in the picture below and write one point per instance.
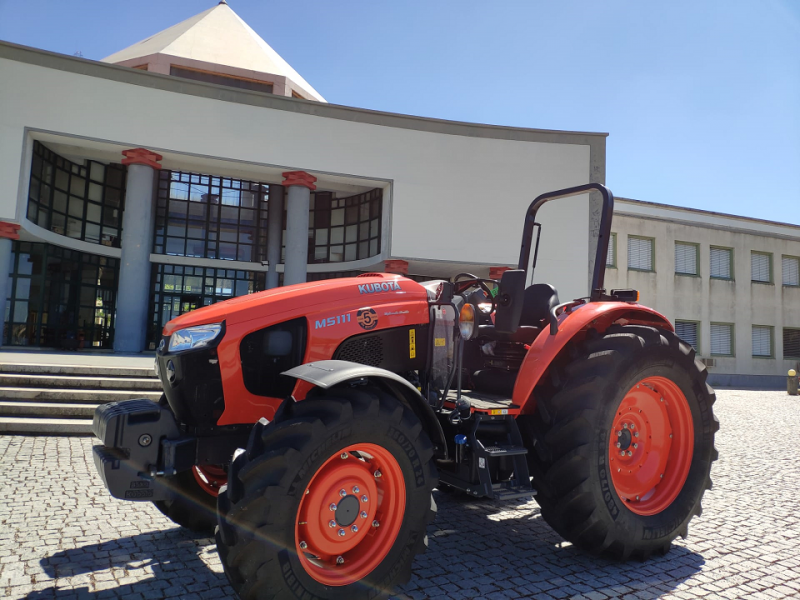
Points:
(63, 536)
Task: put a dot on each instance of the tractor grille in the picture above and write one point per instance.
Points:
(365, 351)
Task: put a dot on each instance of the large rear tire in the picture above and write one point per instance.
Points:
(194, 498)
(622, 441)
(330, 500)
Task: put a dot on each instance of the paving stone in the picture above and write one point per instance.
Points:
(63, 536)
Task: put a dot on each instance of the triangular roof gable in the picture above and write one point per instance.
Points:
(216, 36)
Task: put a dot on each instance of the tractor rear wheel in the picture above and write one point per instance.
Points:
(329, 500)
(621, 444)
(194, 501)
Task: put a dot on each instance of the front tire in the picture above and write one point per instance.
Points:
(621, 444)
(285, 528)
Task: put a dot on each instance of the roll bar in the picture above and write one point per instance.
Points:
(598, 276)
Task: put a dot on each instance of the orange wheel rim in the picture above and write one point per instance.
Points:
(210, 478)
(651, 444)
(350, 514)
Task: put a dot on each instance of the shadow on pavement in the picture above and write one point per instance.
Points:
(164, 563)
(474, 545)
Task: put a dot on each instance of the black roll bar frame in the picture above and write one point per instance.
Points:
(598, 276)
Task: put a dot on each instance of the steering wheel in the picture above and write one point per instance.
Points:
(481, 283)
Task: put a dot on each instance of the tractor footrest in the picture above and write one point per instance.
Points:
(496, 451)
(504, 494)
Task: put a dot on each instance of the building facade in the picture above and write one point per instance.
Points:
(197, 165)
(730, 284)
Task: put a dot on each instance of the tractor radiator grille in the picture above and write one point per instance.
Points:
(365, 351)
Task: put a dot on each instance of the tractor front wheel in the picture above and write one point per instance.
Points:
(621, 444)
(330, 500)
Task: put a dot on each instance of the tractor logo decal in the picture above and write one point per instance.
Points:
(371, 288)
(367, 318)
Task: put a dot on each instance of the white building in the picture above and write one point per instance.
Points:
(202, 166)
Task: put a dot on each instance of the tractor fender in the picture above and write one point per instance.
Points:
(573, 325)
(325, 374)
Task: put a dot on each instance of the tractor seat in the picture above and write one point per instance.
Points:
(539, 300)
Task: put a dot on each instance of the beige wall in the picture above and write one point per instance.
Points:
(740, 302)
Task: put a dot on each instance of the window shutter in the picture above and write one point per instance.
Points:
(790, 266)
(611, 258)
(685, 258)
(791, 343)
(640, 254)
(760, 267)
(687, 331)
(762, 345)
(721, 339)
(721, 263)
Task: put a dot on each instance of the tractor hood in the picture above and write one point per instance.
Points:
(294, 301)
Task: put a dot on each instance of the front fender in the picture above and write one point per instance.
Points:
(573, 325)
(328, 373)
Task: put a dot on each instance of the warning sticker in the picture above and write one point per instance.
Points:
(438, 342)
(412, 343)
(499, 411)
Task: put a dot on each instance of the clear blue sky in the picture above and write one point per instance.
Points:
(702, 99)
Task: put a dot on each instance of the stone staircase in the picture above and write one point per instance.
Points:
(60, 399)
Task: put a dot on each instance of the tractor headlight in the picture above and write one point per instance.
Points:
(194, 337)
(466, 321)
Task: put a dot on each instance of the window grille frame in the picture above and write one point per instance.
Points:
(770, 269)
(696, 259)
(732, 328)
(731, 262)
(652, 241)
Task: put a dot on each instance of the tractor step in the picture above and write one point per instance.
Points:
(496, 451)
(502, 494)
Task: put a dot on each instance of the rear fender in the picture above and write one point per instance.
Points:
(326, 374)
(573, 325)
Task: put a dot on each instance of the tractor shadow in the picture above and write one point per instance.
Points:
(475, 548)
(162, 563)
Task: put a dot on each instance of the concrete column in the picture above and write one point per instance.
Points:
(8, 232)
(274, 233)
(299, 184)
(133, 293)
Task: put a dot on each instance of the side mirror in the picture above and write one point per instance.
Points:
(509, 301)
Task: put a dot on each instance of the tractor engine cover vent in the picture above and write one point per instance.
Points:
(364, 351)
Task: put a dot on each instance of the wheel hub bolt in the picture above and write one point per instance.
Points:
(364, 499)
(342, 532)
(355, 489)
(619, 433)
(303, 545)
(344, 455)
(624, 425)
(363, 514)
(633, 426)
(635, 446)
(354, 528)
(331, 523)
(339, 560)
(377, 474)
(342, 493)
(376, 524)
(637, 497)
(619, 445)
(636, 434)
(630, 453)
(622, 453)
(332, 507)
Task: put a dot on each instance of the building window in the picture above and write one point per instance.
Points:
(687, 331)
(721, 266)
(761, 267)
(791, 343)
(81, 201)
(762, 341)
(686, 258)
(611, 257)
(345, 229)
(60, 298)
(210, 217)
(640, 253)
(790, 267)
(721, 339)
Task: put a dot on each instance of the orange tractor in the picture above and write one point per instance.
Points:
(312, 422)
